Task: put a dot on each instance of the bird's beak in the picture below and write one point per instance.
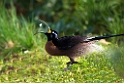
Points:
(49, 31)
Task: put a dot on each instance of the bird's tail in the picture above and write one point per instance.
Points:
(102, 37)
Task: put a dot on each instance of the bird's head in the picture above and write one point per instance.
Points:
(51, 34)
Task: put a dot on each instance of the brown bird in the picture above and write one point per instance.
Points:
(71, 46)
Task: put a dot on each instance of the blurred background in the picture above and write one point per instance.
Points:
(19, 20)
(78, 17)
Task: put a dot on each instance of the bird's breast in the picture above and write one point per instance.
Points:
(52, 49)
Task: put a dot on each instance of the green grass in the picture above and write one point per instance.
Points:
(23, 58)
(37, 66)
(15, 34)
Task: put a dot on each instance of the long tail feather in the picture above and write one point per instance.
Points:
(102, 37)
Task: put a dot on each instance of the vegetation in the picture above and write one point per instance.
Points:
(22, 55)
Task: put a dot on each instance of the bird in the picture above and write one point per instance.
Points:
(71, 46)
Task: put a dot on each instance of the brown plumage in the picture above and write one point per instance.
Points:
(72, 46)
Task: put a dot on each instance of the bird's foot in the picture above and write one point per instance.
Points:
(69, 64)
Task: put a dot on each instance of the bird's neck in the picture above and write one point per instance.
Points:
(55, 41)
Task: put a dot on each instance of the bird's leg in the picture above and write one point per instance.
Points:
(70, 63)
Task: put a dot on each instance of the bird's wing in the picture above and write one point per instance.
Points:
(67, 42)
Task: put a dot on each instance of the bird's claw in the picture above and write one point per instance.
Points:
(69, 64)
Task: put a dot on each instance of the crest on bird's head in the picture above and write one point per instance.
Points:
(51, 34)
(49, 30)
